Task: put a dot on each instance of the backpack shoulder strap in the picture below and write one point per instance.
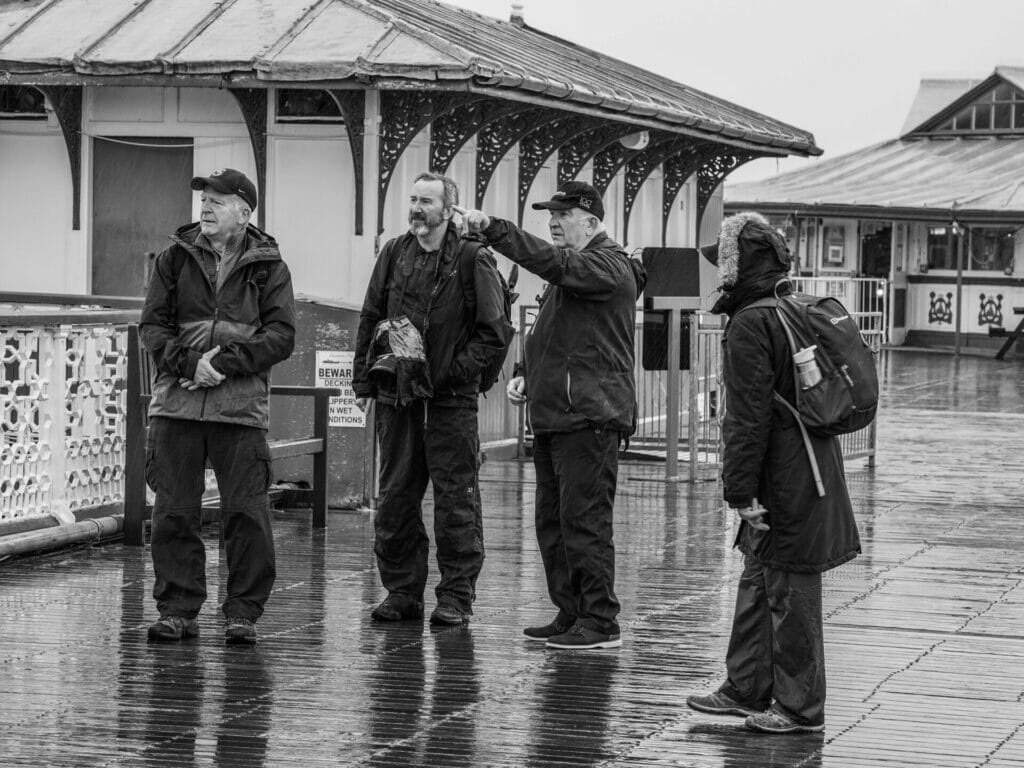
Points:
(469, 247)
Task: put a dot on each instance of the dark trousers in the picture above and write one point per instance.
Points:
(176, 458)
(577, 473)
(777, 648)
(424, 443)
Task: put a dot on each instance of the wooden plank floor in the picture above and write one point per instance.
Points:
(924, 632)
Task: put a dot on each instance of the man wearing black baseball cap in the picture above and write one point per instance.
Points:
(219, 313)
(579, 386)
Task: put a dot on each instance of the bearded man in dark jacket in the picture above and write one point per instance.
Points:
(580, 389)
(219, 313)
(426, 410)
(788, 534)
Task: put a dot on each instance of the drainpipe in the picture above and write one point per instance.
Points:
(959, 231)
(61, 535)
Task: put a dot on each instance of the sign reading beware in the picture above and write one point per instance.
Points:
(334, 369)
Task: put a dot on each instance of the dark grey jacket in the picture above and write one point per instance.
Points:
(579, 354)
(185, 315)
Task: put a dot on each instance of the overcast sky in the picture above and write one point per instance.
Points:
(846, 70)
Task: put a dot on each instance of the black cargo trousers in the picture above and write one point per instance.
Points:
(577, 473)
(422, 443)
(176, 458)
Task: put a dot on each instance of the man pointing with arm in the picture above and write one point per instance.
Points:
(578, 383)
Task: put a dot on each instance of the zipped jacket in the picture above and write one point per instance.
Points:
(251, 317)
(579, 356)
(428, 289)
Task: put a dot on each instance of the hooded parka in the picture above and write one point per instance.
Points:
(251, 316)
(765, 457)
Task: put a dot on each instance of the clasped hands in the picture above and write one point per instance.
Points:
(206, 375)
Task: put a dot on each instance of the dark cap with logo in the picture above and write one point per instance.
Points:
(574, 194)
(228, 181)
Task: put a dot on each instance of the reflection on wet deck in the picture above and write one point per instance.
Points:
(924, 632)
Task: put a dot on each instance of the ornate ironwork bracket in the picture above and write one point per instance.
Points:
(537, 146)
(642, 165)
(450, 132)
(352, 104)
(496, 139)
(403, 115)
(677, 169)
(253, 104)
(607, 163)
(713, 171)
(66, 101)
(574, 154)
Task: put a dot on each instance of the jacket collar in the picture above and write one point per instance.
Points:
(259, 246)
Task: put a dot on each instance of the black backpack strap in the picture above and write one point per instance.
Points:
(469, 247)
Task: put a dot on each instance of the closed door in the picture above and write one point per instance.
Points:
(140, 195)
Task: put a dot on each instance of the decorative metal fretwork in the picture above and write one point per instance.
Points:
(403, 115)
(537, 146)
(991, 312)
(62, 406)
(676, 170)
(352, 104)
(639, 167)
(496, 139)
(450, 132)
(253, 104)
(66, 101)
(607, 163)
(576, 152)
(940, 308)
(713, 172)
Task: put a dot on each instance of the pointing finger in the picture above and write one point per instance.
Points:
(459, 210)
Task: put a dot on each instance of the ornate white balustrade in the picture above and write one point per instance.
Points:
(62, 409)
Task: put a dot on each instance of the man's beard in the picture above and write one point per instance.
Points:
(424, 224)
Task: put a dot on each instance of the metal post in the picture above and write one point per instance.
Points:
(693, 423)
(672, 402)
(959, 283)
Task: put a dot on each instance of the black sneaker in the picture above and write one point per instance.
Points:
(168, 629)
(239, 630)
(397, 608)
(558, 626)
(718, 703)
(584, 638)
(449, 615)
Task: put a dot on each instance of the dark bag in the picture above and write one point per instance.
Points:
(470, 246)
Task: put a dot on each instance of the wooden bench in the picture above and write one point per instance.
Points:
(137, 511)
(1011, 337)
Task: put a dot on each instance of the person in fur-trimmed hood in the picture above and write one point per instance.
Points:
(788, 535)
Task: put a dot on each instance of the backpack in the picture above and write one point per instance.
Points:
(846, 397)
(467, 261)
(469, 247)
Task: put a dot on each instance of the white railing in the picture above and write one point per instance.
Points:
(62, 407)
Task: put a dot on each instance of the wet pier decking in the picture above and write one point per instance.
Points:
(924, 632)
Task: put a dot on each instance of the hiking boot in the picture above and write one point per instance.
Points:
(774, 721)
(239, 630)
(449, 614)
(584, 638)
(556, 627)
(397, 608)
(168, 629)
(718, 703)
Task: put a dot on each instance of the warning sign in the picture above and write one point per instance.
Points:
(334, 369)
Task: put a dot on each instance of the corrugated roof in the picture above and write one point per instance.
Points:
(284, 41)
(984, 175)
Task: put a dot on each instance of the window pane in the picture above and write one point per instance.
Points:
(1002, 115)
(991, 249)
(1018, 115)
(298, 104)
(983, 117)
(962, 122)
(1003, 92)
(939, 256)
(22, 101)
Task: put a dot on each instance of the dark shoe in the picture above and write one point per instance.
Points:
(584, 638)
(718, 703)
(774, 721)
(556, 627)
(449, 614)
(239, 631)
(171, 628)
(397, 608)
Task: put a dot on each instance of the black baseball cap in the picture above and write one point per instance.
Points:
(574, 194)
(228, 181)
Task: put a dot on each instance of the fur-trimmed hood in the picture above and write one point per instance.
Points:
(748, 247)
